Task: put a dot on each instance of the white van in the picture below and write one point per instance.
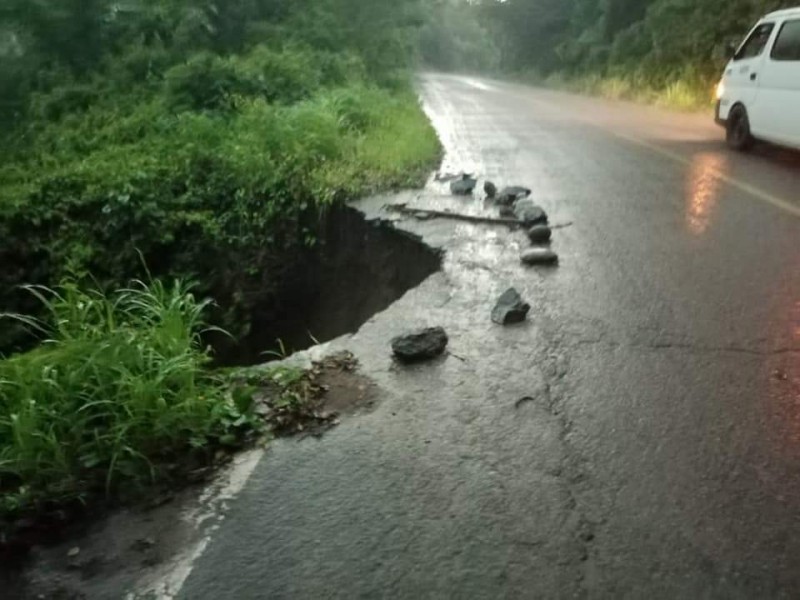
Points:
(759, 95)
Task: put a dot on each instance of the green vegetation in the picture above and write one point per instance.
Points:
(454, 39)
(663, 51)
(203, 139)
(117, 391)
(682, 93)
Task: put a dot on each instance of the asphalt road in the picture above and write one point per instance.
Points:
(659, 456)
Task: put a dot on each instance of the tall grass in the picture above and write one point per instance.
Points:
(682, 92)
(118, 389)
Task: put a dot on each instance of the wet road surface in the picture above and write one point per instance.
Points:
(659, 455)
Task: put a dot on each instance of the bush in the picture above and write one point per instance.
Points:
(341, 68)
(205, 82)
(209, 82)
(396, 151)
(287, 76)
(67, 99)
(139, 64)
(356, 108)
(223, 198)
(118, 388)
(13, 90)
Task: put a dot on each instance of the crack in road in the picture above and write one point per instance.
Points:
(572, 473)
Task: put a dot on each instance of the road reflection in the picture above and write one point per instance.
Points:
(478, 258)
(702, 190)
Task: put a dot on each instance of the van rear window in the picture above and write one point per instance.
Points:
(787, 46)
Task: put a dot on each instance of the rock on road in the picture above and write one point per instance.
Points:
(638, 437)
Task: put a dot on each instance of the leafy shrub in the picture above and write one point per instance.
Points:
(205, 82)
(341, 68)
(140, 63)
(67, 99)
(287, 76)
(209, 82)
(13, 90)
(118, 387)
(225, 198)
(355, 108)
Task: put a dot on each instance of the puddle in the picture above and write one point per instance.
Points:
(359, 268)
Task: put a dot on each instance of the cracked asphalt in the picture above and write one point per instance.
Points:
(657, 453)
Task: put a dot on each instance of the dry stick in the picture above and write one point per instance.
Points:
(418, 212)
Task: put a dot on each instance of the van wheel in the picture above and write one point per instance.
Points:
(739, 137)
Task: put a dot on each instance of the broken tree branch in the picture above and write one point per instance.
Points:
(421, 213)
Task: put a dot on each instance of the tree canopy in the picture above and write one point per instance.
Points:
(46, 41)
(659, 39)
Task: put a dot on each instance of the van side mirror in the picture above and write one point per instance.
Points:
(725, 51)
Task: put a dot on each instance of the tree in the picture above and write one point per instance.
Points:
(72, 32)
(654, 38)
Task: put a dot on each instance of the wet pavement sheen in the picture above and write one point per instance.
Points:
(658, 451)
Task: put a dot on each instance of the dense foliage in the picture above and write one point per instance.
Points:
(202, 138)
(619, 47)
(454, 38)
(202, 134)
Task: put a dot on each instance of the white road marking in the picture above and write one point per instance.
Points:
(751, 190)
(166, 583)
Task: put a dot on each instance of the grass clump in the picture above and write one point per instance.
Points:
(682, 91)
(117, 393)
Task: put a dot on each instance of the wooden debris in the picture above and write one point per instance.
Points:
(422, 214)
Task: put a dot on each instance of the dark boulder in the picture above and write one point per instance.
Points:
(539, 256)
(463, 186)
(540, 234)
(507, 212)
(529, 214)
(420, 345)
(510, 309)
(511, 194)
